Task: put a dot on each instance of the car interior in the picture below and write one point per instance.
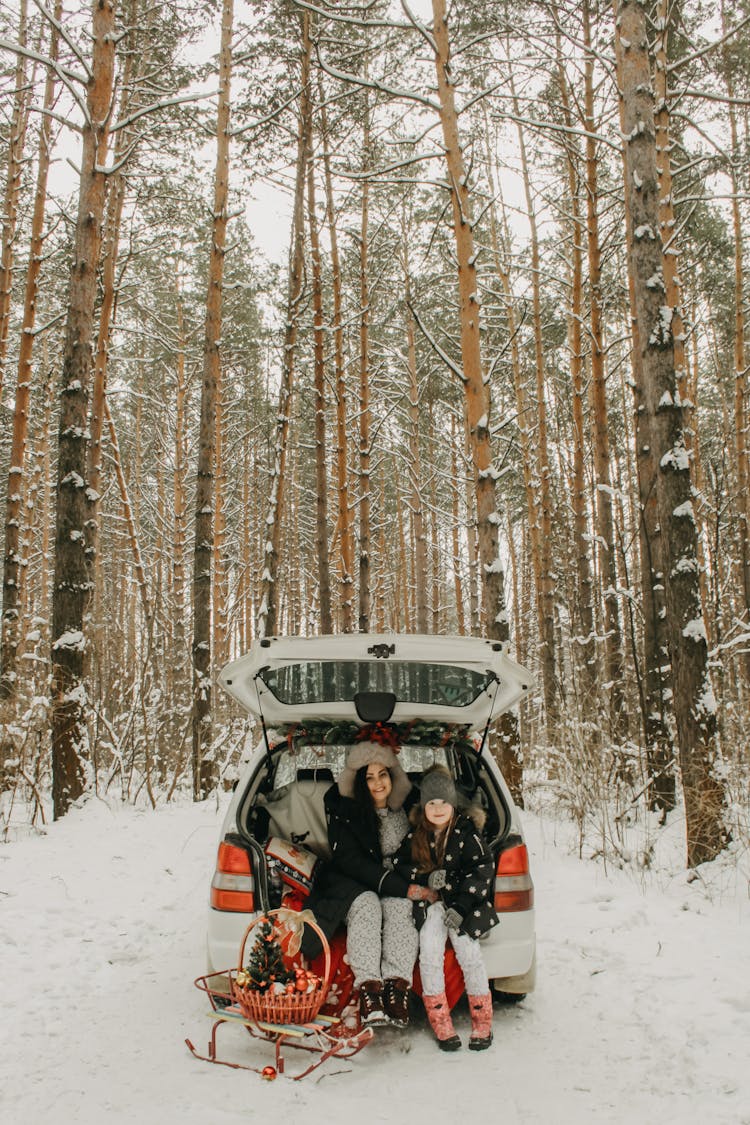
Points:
(286, 797)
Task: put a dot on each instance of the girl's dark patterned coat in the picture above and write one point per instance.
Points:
(469, 874)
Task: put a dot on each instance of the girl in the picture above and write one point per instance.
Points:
(451, 875)
(367, 820)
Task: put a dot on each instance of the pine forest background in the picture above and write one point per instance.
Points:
(498, 386)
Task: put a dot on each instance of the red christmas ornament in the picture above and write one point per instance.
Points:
(269, 1073)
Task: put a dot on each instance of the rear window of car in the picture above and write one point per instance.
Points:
(320, 681)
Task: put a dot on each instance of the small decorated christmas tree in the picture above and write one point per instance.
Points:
(265, 966)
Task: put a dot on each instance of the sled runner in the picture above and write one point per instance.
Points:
(287, 1014)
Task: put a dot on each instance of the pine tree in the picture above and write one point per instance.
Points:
(265, 965)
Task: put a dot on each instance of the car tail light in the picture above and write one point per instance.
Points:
(233, 884)
(514, 889)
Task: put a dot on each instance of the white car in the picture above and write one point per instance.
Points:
(312, 695)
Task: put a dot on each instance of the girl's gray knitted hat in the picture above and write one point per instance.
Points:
(437, 785)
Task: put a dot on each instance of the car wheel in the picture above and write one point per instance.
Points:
(500, 997)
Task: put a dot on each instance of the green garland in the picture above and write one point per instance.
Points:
(322, 732)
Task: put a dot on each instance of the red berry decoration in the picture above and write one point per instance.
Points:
(269, 1073)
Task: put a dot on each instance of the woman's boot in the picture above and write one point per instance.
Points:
(480, 1009)
(439, 1015)
(371, 1003)
(396, 1001)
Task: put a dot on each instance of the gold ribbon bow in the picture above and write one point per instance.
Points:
(292, 922)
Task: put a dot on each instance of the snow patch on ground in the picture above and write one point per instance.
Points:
(641, 1014)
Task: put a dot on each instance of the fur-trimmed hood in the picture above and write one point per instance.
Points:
(365, 754)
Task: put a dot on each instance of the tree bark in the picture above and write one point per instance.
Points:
(456, 474)
(345, 528)
(72, 583)
(543, 539)
(204, 766)
(415, 461)
(694, 703)
(321, 467)
(605, 537)
(655, 686)
(365, 532)
(14, 171)
(269, 597)
(13, 571)
(476, 390)
(740, 361)
(585, 640)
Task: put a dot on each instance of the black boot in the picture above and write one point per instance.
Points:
(371, 1003)
(396, 1001)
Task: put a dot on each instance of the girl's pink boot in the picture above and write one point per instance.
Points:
(480, 1009)
(439, 1015)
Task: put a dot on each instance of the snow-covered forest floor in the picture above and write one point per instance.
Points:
(641, 1014)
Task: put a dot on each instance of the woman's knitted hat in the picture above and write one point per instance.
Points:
(366, 754)
(437, 785)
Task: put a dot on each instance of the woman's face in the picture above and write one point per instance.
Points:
(379, 783)
(438, 814)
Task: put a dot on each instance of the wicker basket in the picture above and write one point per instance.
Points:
(283, 1007)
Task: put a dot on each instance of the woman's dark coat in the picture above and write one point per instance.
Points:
(470, 877)
(356, 865)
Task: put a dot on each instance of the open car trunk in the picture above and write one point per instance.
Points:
(284, 799)
(439, 679)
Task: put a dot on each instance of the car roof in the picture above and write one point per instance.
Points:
(451, 679)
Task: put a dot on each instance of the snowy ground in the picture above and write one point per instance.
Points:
(642, 1011)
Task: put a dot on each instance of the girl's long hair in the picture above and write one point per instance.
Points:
(424, 834)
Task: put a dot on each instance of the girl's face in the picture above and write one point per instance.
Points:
(379, 783)
(438, 814)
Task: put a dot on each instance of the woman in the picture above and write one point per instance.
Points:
(367, 820)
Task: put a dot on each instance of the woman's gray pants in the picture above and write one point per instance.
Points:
(381, 938)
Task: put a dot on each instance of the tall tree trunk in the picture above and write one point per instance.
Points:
(415, 461)
(655, 687)
(740, 362)
(13, 572)
(345, 527)
(321, 465)
(220, 591)
(72, 588)
(365, 574)
(204, 766)
(471, 528)
(110, 248)
(403, 585)
(605, 537)
(456, 474)
(14, 171)
(268, 612)
(500, 242)
(585, 640)
(476, 390)
(178, 582)
(695, 709)
(545, 567)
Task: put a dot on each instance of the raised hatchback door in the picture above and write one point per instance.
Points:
(446, 679)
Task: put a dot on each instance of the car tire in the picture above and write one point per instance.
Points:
(500, 997)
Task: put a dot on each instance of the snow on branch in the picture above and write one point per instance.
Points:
(436, 346)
